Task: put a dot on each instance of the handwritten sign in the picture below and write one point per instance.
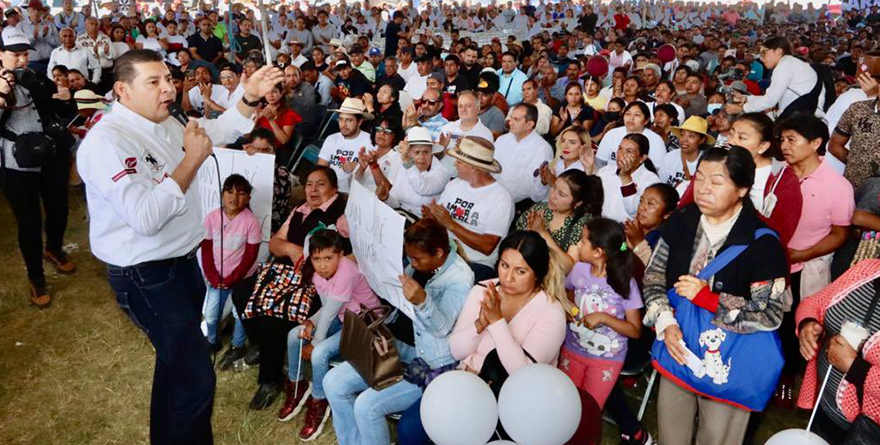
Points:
(377, 240)
(258, 169)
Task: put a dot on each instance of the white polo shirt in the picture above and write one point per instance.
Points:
(519, 160)
(137, 213)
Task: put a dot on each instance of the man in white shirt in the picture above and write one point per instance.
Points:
(340, 150)
(475, 208)
(73, 57)
(296, 57)
(96, 41)
(139, 166)
(530, 96)
(416, 85)
(468, 123)
(407, 68)
(521, 152)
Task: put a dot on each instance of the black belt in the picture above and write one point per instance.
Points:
(168, 262)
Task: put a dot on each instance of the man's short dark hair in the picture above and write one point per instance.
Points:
(262, 133)
(453, 58)
(308, 66)
(531, 111)
(124, 70)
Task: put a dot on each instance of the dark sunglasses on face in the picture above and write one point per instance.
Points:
(428, 102)
(384, 130)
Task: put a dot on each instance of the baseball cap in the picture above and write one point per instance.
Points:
(14, 40)
(342, 64)
(375, 52)
(738, 86)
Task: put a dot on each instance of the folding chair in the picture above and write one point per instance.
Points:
(310, 154)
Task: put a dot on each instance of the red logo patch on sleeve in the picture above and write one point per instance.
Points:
(131, 162)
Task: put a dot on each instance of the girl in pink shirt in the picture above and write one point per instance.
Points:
(341, 286)
(227, 264)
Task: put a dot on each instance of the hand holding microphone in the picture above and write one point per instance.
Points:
(195, 140)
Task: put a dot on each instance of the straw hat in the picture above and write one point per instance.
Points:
(421, 136)
(696, 124)
(88, 99)
(476, 152)
(354, 106)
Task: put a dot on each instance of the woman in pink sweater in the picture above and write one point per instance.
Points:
(520, 315)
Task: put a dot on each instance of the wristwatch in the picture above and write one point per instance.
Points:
(248, 103)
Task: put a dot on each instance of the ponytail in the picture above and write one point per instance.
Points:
(608, 235)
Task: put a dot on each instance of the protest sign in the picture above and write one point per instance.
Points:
(376, 233)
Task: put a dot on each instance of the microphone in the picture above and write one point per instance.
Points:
(177, 113)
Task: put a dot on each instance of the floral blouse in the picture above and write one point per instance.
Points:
(567, 235)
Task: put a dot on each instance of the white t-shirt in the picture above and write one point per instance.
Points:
(560, 167)
(150, 43)
(410, 71)
(389, 163)
(670, 171)
(616, 206)
(416, 86)
(607, 152)
(337, 150)
(757, 192)
(485, 210)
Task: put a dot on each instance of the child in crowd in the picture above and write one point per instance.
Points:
(657, 203)
(227, 264)
(341, 287)
(608, 303)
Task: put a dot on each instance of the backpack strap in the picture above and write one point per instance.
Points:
(722, 260)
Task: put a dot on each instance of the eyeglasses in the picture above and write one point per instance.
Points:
(384, 130)
(227, 77)
(428, 101)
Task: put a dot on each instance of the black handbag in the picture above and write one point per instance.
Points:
(32, 149)
(493, 372)
(863, 431)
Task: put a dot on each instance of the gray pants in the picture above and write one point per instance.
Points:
(720, 423)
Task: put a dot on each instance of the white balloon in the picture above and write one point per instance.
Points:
(501, 442)
(458, 408)
(539, 405)
(796, 436)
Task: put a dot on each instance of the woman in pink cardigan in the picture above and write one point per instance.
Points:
(854, 371)
(520, 313)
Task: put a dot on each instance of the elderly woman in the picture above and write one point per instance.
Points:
(436, 283)
(575, 198)
(420, 180)
(509, 322)
(324, 206)
(737, 301)
(854, 385)
(385, 160)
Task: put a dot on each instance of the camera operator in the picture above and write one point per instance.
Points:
(794, 86)
(34, 159)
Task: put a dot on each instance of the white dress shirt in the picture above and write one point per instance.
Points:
(545, 114)
(86, 42)
(791, 79)
(81, 59)
(519, 160)
(137, 213)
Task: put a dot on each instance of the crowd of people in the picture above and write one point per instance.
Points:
(586, 185)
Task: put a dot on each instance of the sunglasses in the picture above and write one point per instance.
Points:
(428, 101)
(384, 130)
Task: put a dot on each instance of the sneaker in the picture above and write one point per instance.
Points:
(60, 260)
(641, 437)
(40, 296)
(297, 394)
(265, 396)
(253, 355)
(318, 411)
(233, 354)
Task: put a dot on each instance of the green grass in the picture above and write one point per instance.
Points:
(80, 373)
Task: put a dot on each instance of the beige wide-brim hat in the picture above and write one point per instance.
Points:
(476, 152)
(696, 124)
(421, 136)
(352, 105)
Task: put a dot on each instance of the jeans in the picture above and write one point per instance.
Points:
(25, 191)
(359, 411)
(164, 299)
(321, 355)
(215, 301)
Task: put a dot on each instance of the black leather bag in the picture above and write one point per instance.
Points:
(493, 372)
(32, 149)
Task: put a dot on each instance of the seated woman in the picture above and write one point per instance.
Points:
(666, 117)
(384, 161)
(573, 112)
(518, 318)
(574, 150)
(624, 181)
(854, 385)
(436, 283)
(323, 207)
(679, 165)
(574, 199)
(636, 119)
(742, 299)
(385, 105)
(421, 179)
(657, 204)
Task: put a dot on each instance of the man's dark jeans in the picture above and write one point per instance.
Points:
(164, 299)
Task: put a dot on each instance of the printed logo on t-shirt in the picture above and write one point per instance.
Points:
(463, 211)
(342, 157)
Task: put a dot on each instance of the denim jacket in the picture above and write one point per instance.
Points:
(436, 316)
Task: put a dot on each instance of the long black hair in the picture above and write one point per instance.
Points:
(586, 190)
(608, 235)
(644, 148)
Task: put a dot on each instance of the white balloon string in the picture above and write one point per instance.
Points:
(819, 397)
(299, 361)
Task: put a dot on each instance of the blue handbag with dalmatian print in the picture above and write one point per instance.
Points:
(741, 370)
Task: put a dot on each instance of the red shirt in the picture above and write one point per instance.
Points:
(287, 117)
